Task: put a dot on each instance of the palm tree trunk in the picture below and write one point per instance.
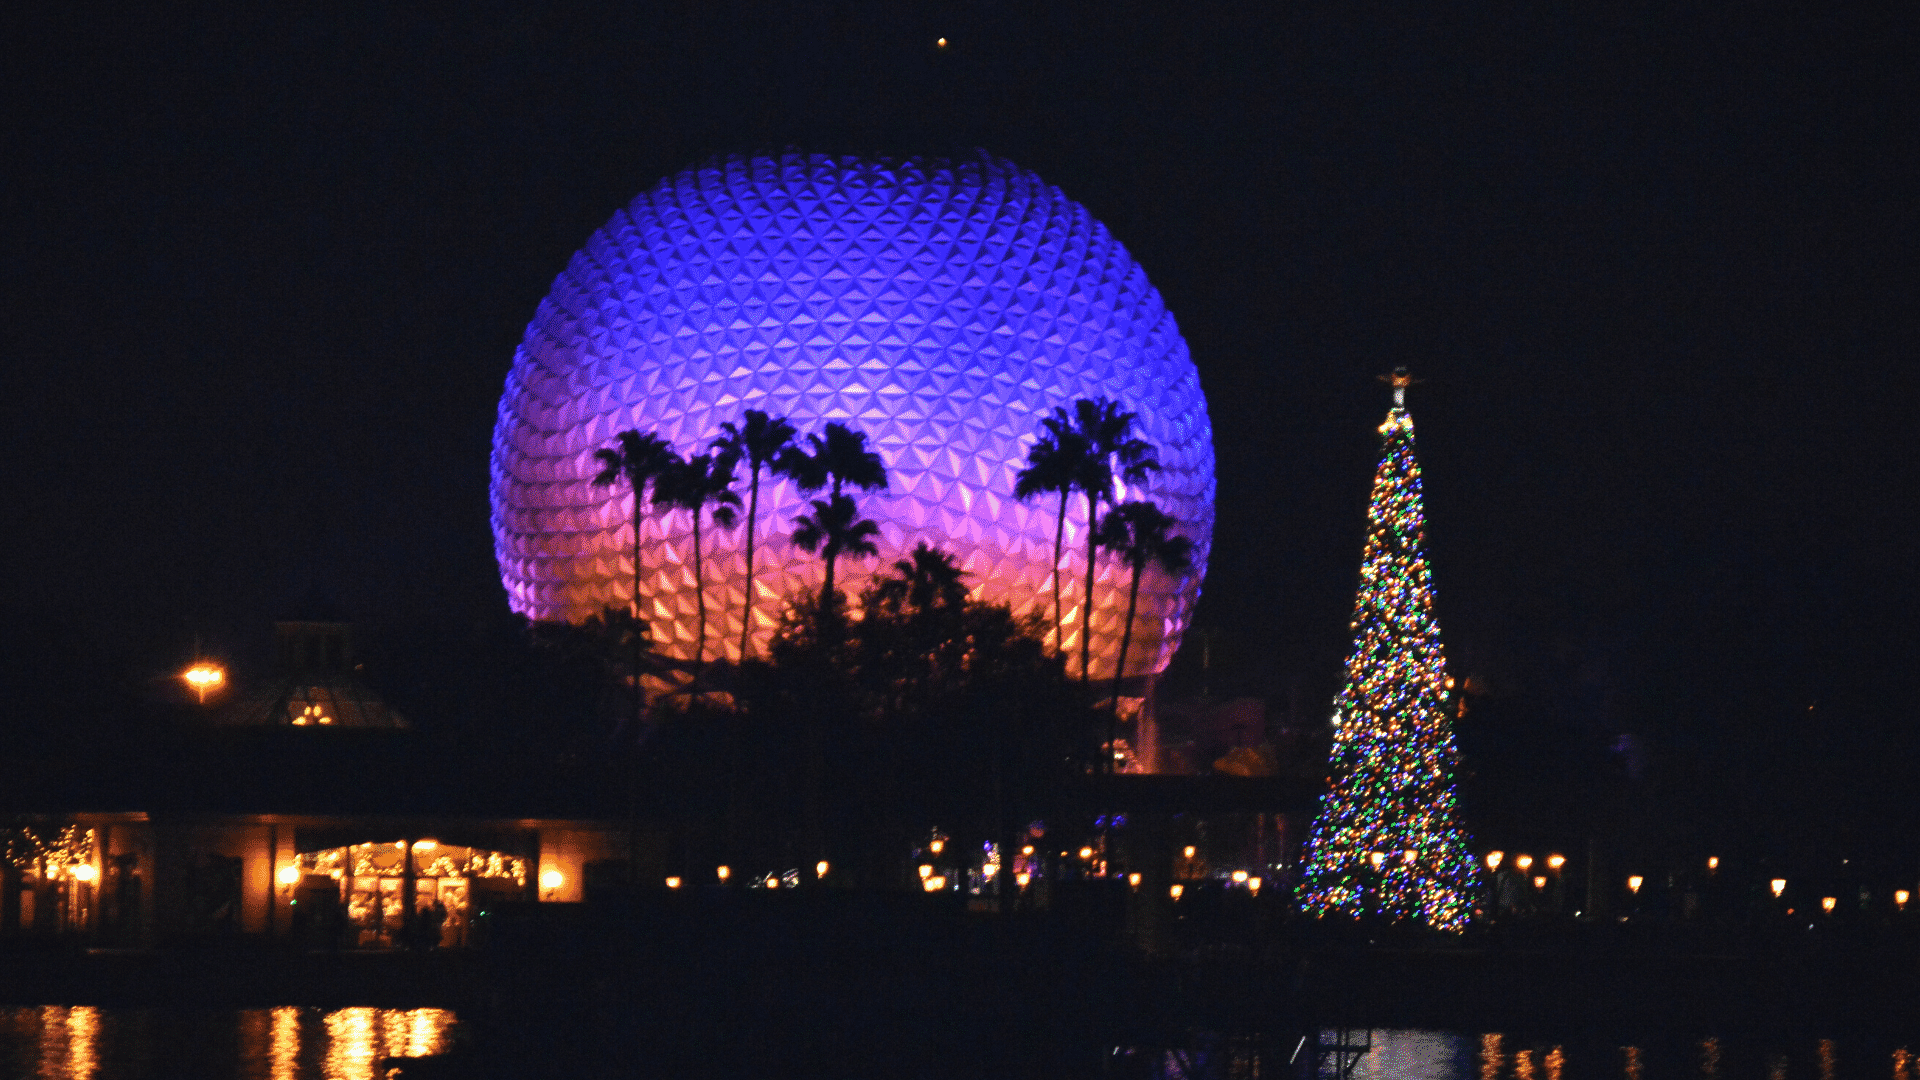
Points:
(700, 597)
(1059, 537)
(639, 645)
(1086, 613)
(826, 587)
(1120, 668)
(746, 613)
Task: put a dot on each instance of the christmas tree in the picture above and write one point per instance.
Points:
(1388, 841)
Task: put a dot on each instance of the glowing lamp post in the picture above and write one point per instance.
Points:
(1827, 903)
(1556, 861)
(673, 883)
(1239, 877)
(1524, 862)
(204, 678)
(287, 876)
(1494, 859)
(1778, 885)
(820, 869)
(723, 873)
(1900, 898)
(1253, 886)
(1634, 883)
(1713, 863)
(1540, 881)
(551, 881)
(1176, 890)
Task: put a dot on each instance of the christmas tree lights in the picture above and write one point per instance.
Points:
(1388, 841)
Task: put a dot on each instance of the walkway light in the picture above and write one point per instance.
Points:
(1253, 886)
(1239, 877)
(204, 677)
(1634, 883)
(1524, 862)
(1827, 904)
(1022, 878)
(1556, 861)
(1778, 885)
(937, 846)
(1133, 881)
(673, 883)
(820, 869)
(1493, 860)
(1900, 898)
(1187, 852)
(1086, 853)
(1713, 862)
(1176, 891)
(1540, 882)
(935, 883)
(724, 872)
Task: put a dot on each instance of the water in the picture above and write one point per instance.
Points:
(86, 1043)
(81, 1042)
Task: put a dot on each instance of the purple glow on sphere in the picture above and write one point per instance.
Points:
(942, 308)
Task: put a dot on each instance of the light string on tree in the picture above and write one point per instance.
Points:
(1388, 842)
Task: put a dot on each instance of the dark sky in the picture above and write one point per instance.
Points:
(265, 270)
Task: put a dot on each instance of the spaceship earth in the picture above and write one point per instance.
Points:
(941, 307)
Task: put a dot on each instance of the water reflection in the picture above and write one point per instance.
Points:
(1710, 1057)
(86, 1043)
(1903, 1064)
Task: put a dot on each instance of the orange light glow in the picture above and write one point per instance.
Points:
(1022, 878)
(820, 868)
(1713, 862)
(1778, 885)
(1540, 882)
(926, 871)
(772, 882)
(1827, 904)
(935, 883)
(1556, 861)
(1253, 886)
(204, 677)
(1493, 859)
(1176, 891)
(1378, 859)
(1086, 853)
(1524, 862)
(288, 875)
(940, 43)
(425, 845)
(1188, 851)
(937, 846)
(1133, 880)
(724, 872)
(673, 883)
(552, 879)
(1028, 850)
(1900, 898)
(1239, 877)
(85, 872)
(1634, 883)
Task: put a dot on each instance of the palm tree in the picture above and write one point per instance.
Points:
(694, 485)
(1139, 533)
(835, 528)
(759, 440)
(1053, 461)
(924, 582)
(1111, 449)
(839, 457)
(639, 460)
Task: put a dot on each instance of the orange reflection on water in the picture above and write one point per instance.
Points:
(1776, 1067)
(1493, 1057)
(283, 1045)
(350, 1035)
(1826, 1059)
(1710, 1057)
(358, 1040)
(1632, 1056)
(1556, 1063)
(1902, 1064)
(67, 1040)
(1523, 1065)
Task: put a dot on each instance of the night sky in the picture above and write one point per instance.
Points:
(265, 271)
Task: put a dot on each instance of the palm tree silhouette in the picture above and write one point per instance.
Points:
(695, 485)
(1140, 534)
(840, 457)
(1111, 449)
(1053, 461)
(639, 460)
(925, 581)
(835, 528)
(759, 440)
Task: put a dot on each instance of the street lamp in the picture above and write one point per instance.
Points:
(1900, 898)
(1176, 890)
(1713, 862)
(723, 872)
(1524, 862)
(1540, 882)
(673, 883)
(1634, 883)
(820, 869)
(1827, 904)
(1493, 860)
(1778, 885)
(1556, 861)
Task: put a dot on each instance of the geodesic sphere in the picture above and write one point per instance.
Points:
(943, 308)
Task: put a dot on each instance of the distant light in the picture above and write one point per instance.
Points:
(1028, 850)
(1086, 853)
(773, 882)
(1556, 861)
(937, 846)
(1524, 862)
(1713, 862)
(552, 879)
(724, 872)
(85, 872)
(1540, 882)
(1778, 885)
(1253, 886)
(1133, 881)
(288, 875)
(1493, 859)
(1900, 898)
(204, 677)
(820, 869)
(1827, 904)
(1378, 859)
(935, 883)
(1239, 877)
(940, 43)
(673, 883)
(926, 871)
(425, 845)
(1176, 891)
(1634, 883)
(1022, 878)
(1188, 851)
